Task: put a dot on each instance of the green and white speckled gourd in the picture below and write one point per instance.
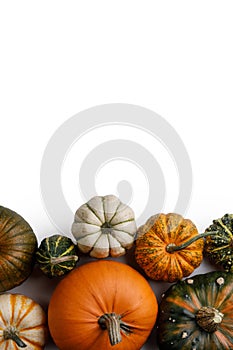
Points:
(197, 313)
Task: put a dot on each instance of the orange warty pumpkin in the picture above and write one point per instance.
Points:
(102, 305)
(168, 247)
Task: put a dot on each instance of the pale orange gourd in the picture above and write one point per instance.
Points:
(102, 305)
(23, 323)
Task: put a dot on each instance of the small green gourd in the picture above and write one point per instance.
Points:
(219, 247)
(56, 256)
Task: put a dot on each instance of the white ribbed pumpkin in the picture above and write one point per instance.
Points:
(104, 226)
(22, 323)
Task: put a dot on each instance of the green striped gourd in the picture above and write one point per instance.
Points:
(56, 255)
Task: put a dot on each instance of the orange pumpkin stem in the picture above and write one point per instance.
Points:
(112, 322)
(172, 247)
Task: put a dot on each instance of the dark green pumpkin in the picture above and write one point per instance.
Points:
(197, 313)
(17, 247)
(56, 255)
(219, 247)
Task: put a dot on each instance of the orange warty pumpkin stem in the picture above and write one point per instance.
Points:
(171, 247)
(112, 322)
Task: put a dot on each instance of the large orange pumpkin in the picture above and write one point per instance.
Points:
(102, 305)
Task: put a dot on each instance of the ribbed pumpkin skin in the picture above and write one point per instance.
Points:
(92, 290)
(104, 226)
(27, 317)
(17, 247)
(153, 238)
(56, 255)
(177, 327)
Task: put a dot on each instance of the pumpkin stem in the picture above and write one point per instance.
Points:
(61, 259)
(208, 318)
(112, 322)
(106, 228)
(172, 247)
(11, 333)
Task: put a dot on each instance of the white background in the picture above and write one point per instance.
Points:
(59, 58)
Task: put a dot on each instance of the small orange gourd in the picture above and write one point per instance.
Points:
(102, 305)
(168, 247)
